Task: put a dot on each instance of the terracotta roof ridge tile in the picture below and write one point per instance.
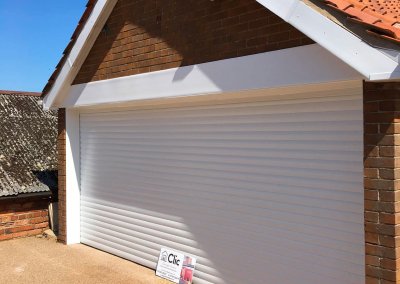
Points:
(381, 23)
(339, 4)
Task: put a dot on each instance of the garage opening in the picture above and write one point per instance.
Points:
(260, 192)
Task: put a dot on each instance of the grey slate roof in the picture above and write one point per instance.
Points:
(28, 135)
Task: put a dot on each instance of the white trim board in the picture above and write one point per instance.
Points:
(72, 184)
(368, 60)
(283, 68)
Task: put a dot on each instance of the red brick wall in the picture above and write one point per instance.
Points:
(149, 35)
(381, 182)
(62, 236)
(23, 217)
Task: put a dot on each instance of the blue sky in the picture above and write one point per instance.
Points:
(33, 36)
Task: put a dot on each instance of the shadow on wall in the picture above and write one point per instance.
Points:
(149, 35)
(132, 43)
(50, 179)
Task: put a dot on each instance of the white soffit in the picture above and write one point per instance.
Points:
(304, 65)
(367, 60)
(79, 51)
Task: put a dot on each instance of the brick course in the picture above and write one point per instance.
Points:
(23, 217)
(62, 236)
(150, 35)
(382, 182)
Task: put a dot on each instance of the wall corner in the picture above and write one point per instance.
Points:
(382, 182)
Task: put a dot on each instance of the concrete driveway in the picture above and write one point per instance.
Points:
(35, 260)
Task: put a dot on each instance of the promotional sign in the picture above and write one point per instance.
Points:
(175, 266)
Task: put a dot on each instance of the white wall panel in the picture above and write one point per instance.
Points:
(265, 192)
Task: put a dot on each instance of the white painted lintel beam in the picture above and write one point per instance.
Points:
(297, 66)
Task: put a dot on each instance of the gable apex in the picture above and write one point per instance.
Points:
(371, 62)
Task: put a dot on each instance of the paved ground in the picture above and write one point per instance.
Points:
(34, 260)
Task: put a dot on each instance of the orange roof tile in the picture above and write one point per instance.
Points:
(382, 17)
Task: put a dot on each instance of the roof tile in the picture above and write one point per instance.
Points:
(380, 16)
(8, 92)
(28, 156)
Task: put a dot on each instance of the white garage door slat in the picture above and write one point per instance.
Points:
(266, 192)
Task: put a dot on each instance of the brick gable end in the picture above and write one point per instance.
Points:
(150, 35)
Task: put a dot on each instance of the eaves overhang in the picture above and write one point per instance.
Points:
(372, 62)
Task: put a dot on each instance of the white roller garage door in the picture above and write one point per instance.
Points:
(260, 192)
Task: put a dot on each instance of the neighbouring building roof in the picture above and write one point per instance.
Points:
(380, 17)
(28, 157)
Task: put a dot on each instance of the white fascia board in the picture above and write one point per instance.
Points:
(79, 51)
(297, 66)
(281, 8)
(369, 61)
